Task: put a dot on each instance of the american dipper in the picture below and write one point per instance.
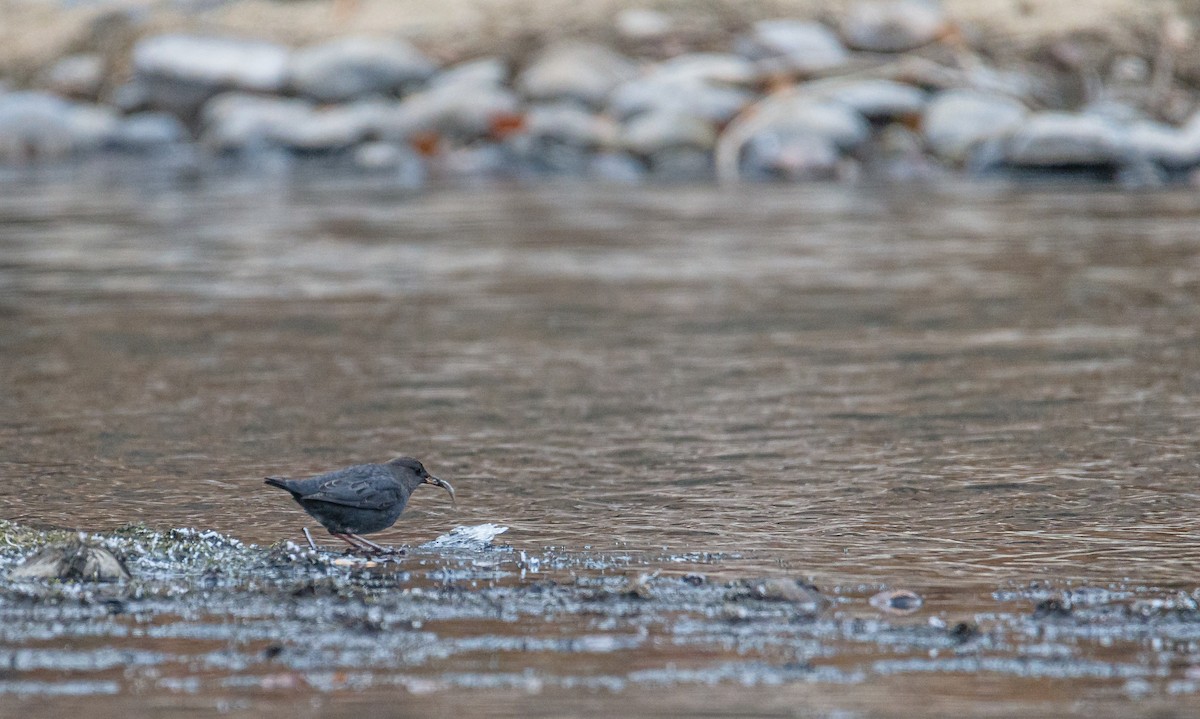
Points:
(361, 499)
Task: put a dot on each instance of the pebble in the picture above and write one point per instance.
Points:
(149, 131)
(180, 72)
(642, 24)
(654, 132)
(76, 561)
(793, 46)
(351, 68)
(1059, 139)
(897, 601)
(892, 25)
(76, 76)
(956, 120)
(34, 126)
(877, 100)
(569, 70)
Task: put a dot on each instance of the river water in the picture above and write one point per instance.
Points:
(946, 389)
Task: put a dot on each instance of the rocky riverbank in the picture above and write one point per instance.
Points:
(880, 90)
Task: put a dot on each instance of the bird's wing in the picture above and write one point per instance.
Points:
(362, 490)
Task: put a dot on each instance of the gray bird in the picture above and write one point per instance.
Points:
(361, 499)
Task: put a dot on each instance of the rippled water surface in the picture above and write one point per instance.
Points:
(944, 390)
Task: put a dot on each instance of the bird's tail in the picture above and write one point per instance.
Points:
(279, 482)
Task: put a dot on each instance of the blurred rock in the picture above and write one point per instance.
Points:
(892, 25)
(453, 111)
(957, 120)
(398, 161)
(616, 168)
(487, 72)
(880, 100)
(832, 121)
(180, 72)
(897, 601)
(581, 71)
(327, 129)
(681, 164)
(570, 124)
(92, 127)
(149, 132)
(1171, 147)
(641, 24)
(34, 126)
(791, 156)
(76, 76)
(237, 122)
(651, 133)
(1057, 139)
(76, 561)
(793, 46)
(710, 86)
(355, 67)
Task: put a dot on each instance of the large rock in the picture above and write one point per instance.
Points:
(581, 71)
(892, 25)
(76, 76)
(456, 110)
(793, 46)
(710, 86)
(236, 122)
(355, 67)
(1172, 147)
(1059, 139)
(957, 120)
(34, 126)
(652, 133)
(178, 73)
(874, 99)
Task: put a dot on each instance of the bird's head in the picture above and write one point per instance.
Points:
(413, 474)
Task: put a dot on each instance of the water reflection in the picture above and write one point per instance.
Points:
(948, 388)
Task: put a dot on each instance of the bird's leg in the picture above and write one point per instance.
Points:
(377, 547)
(363, 544)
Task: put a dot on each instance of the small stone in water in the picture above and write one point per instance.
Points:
(76, 561)
(897, 601)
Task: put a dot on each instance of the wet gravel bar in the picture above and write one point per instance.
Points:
(204, 615)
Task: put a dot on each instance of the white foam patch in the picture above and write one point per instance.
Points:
(479, 536)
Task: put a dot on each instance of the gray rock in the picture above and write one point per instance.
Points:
(873, 99)
(710, 67)
(324, 129)
(616, 168)
(1057, 139)
(682, 164)
(957, 120)
(651, 133)
(892, 25)
(710, 86)
(236, 122)
(794, 156)
(34, 126)
(641, 24)
(794, 46)
(487, 72)
(76, 561)
(570, 124)
(1171, 147)
(355, 67)
(449, 111)
(92, 127)
(149, 131)
(683, 96)
(581, 71)
(212, 63)
(76, 76)
(400, 162)
(833, 121)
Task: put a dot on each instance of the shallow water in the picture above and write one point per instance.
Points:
(947, 390)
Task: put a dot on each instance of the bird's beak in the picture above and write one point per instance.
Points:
(444, 485)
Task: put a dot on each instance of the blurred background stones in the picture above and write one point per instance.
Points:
(616, 91)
